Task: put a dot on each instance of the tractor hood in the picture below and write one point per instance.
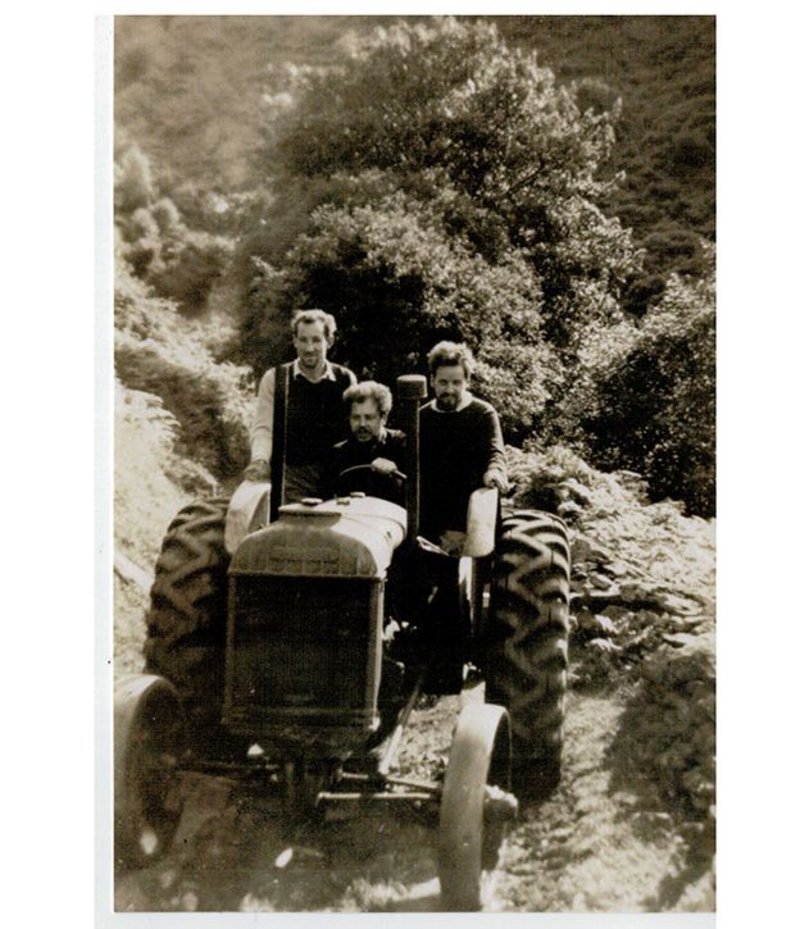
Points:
(349, 537)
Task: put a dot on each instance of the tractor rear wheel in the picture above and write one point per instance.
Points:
(526, 648)
(186, 621)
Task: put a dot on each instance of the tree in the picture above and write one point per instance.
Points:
(178, 262)
(439, 184)
(650, 404)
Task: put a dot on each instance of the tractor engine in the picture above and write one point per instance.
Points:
(305, 625)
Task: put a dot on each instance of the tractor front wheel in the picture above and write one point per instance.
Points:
(149, 744)
(475, 805)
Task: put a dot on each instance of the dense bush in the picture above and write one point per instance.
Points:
(195, 106)
(438, 184)
(434, 183)
(654, 408)
(182, 264)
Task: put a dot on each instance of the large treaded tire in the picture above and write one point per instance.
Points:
(186, 622)
(526, 650)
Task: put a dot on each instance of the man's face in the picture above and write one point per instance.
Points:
(311, 345)
(366, 421)
(449, 383)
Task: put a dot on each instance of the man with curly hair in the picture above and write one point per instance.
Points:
(461, 446)
(372, 458)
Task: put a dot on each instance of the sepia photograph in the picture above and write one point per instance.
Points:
(414, 464)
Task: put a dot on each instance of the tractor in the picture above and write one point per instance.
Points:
(292, 643)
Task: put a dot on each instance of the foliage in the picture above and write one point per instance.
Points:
(646, 398)
(520, 156)
(160, 352)
(195, 106)
(437, 182)
(180, 263)
(452, 192)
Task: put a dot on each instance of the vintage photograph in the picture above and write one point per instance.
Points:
(414, 479)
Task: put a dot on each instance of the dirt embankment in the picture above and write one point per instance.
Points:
(630, 828)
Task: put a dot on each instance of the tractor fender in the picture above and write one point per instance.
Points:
(481, 523)
(247, 512)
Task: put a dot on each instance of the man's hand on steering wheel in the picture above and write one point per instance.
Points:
(384, 466)
(376, 478)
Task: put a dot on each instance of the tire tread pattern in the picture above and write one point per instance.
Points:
(527, 648)
(186, 621)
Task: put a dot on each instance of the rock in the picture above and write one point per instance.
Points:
(679, 639)
(598, 600)
(577, 491)
(580, 549)
(584, 549)
(679, 605)
(589, 622)
(568, 510)
(606, 624)
(600, 581)
(616, 569)
(617, 613)
(603, 645)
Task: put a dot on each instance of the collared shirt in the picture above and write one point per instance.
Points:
(262, 432)
(297, 371)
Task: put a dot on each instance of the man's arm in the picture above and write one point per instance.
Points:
(495, 474)
(261, 433)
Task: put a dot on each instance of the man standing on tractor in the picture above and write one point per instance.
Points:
(371, 458)
(461, 446)
(299, 413)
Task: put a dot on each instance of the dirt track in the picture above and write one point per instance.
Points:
(616, 836)
(597, 844)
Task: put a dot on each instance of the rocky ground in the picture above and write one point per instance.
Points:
(631, 828)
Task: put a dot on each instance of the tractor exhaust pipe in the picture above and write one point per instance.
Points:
(411, 390)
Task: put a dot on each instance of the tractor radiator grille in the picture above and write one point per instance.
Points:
(302, 644)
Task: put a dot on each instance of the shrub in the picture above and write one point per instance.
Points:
(180, 263)
(437, 184)
(652, 405)
(159, 352)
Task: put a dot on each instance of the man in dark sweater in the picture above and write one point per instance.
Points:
(300, 412)
(372, 458)
(461, 446)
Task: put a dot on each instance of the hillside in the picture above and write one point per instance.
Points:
(632, 826)
(195, 108)
(638, 793)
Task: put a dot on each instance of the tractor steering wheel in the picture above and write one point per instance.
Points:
(374, 483)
